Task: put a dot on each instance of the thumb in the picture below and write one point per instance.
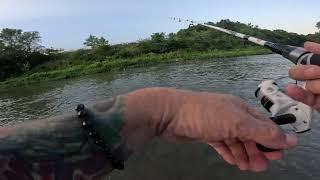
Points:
(270, 135)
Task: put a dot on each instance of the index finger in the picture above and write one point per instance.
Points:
(304, 72)
(267, 133)
(312, 47)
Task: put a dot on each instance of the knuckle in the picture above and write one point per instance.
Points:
(274, 132)
(238, 101)
(312, 71)
(241, 129)
(296, 71)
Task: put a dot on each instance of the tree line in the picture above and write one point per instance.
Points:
(22, 52)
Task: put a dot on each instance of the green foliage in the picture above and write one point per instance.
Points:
(120, 64)
(21, 52)
(19, 40)
(128, 50)
(314, 37)
(318, 25)
(95, 43)
(100, 48)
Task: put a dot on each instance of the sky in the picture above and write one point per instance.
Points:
(67, 23)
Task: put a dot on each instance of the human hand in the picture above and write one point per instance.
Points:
(311, 75)
(224, 122)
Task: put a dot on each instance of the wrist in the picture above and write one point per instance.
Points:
(147, 113)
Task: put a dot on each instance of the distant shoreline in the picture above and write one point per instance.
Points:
(120, 64)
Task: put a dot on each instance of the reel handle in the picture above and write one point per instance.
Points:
(279, 120)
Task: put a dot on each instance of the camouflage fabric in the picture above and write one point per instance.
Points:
(58, 148)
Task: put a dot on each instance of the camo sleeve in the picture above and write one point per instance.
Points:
(55, 148)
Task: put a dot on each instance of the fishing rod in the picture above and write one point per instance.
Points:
(297, 55)
(284, 109)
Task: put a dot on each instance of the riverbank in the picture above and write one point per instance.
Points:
(121, 64)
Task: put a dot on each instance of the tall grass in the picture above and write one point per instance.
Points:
(69, 71)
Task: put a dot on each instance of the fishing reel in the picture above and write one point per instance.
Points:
(283, 109)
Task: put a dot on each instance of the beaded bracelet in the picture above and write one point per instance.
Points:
(87, 125)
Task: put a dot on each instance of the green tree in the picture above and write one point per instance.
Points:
(158, 43)
(19, 51)
(158, 37)
(318, 25)
(95, 43)
(30, 41)
(20, 41)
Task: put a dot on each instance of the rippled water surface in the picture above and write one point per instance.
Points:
(160, 160)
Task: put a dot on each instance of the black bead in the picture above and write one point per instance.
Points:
(80, 107)
(81, 110)
(117, 165)
(87, 125)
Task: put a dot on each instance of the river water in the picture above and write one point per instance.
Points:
(160, 160)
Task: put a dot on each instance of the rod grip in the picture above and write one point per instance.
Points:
(315, 59)
(311, 59)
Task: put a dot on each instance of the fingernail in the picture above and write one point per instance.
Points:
(291, 140)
